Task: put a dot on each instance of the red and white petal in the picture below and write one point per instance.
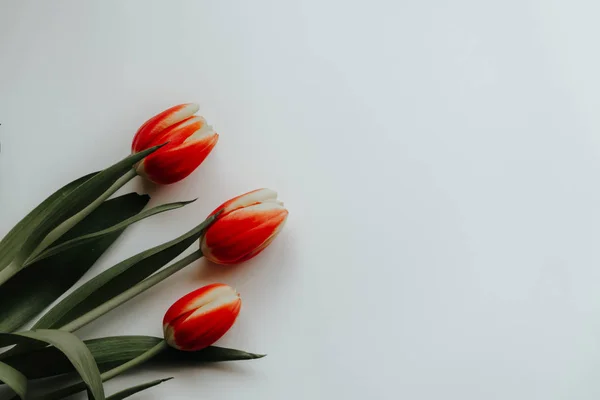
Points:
(197, 334)
(265, 244)
(201, 134)
(173, 163)
(159, 122)
(243, 233)
(194, 300)
(208, 317)
(254, 197)
(178, 133)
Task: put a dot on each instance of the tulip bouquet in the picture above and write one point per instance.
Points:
(52, 247)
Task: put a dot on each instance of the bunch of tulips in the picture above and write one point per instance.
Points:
(52, 247)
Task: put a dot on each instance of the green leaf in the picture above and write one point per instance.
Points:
(110, 352)
(68, 206)
(71, 346)
(14, 379)
(135, 389)
(76, 387)
(9, 246)
(84, 239)
(132, 292)
(118, 279)
(33, 289)
(210, 354)
(72, 389)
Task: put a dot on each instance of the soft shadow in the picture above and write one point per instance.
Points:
(5, 392)
(231, 368)
(143, 185)
(209, 271)
(37, 387)
(259, 279)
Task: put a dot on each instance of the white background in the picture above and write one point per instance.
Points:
(440, 161)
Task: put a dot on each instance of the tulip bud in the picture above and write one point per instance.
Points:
(190, 140)
(246, 226)
(201, 317)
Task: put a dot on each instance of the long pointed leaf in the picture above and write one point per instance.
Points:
(84, 239)
(10, 244)
(77, 387)
(117, 279)
(14, 379)
(132, 292)
(83, 195)
(123, 394)
(75, 201)
(33, 289)
(71, 346)
(110, 352)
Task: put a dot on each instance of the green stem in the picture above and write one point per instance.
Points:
(142, 358)
(79, 386)
(130, 293)
(64, 227)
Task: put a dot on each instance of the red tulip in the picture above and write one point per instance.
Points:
(201, 317)
(190, 140)
(246, 226)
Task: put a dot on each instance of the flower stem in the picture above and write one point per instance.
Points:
(142, 358)
(130, 293)
(64, 227)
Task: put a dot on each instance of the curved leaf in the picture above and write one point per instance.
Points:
(14, 379)
(118, 279)
(110, 352)
(71, 346)
(132, 292)
(135, 389)
(84, 239)
(9, 246)
(66, 207)
(77, 387)
(210, 354)
(33, 289)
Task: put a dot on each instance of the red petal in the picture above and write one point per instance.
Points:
(177, 133)
(242, 234)
(159, 122)
(173, 163)
(187, 303)
(197, 332)
(245, 200)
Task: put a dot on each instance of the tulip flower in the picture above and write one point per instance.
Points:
(246, 225)
(201, 317)
(189, 141)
